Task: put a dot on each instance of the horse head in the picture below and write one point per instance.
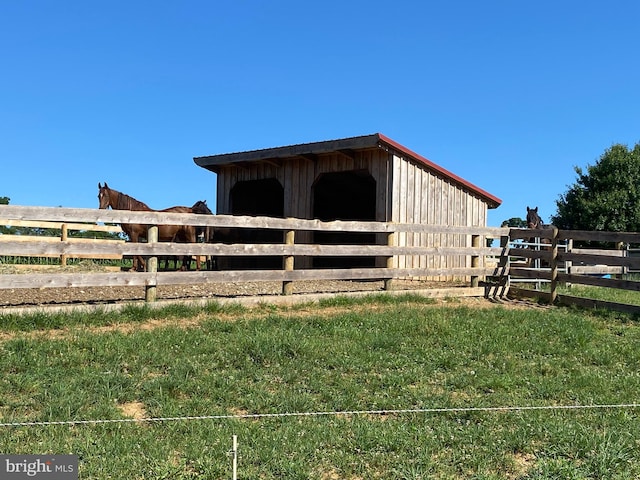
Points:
(104, 195)
(533, 219)
(204, 233)
(201, 207)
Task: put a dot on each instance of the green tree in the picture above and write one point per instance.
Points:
(515, 222)
(5, 230)
(606, 196)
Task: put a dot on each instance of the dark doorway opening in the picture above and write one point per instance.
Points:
(256, 198)
(344, 196)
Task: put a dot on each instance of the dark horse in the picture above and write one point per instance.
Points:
(137, 232)
(226, 235)
(533, 219)
(222, 234)
(535, 222)
(204, 234)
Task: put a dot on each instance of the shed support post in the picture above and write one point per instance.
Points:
(287, 286)
(151, 293)
(475, 260)
(391, 240)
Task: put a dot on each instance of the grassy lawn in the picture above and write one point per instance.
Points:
(628, 297)
(344, 355)
(602, 293)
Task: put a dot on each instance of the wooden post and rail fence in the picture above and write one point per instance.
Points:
(489, 270)
(64, 228)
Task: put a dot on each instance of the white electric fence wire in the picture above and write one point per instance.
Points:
(254, 416)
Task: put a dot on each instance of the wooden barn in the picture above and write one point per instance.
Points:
(369, 177)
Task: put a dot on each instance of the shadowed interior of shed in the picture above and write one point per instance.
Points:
(344, 196)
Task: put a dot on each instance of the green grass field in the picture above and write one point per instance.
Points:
(344, 355)
(600, 293)
(628, 297)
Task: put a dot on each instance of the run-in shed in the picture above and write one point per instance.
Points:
(361, 178)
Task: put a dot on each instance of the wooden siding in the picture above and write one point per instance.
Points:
(298, 175)
(420, 196)
(406, 192)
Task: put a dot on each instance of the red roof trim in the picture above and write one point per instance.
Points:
(428, 163)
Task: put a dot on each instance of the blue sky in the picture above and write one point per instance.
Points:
(510, 95)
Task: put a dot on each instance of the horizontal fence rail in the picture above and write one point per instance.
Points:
(500, 257)
(71, 248)
(62, 215)
(469, 249)
(50, 234)
(551, 258)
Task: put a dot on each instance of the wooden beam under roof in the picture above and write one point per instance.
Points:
(347, 152)
(274, 162)
(240, 165)
(309, 157)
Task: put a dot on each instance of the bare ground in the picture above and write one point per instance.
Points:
(96, 295)
(31, 297)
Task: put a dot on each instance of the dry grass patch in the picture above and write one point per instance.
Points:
(522, 464)
(135, 410)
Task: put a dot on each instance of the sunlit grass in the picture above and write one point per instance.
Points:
(629, 297)
(344, 355)
(602, 293)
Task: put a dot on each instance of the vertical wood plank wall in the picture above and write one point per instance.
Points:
(416, 195)
(420, 196)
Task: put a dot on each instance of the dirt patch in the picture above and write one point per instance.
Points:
(105, 295)
(523, 462)
(135, 410)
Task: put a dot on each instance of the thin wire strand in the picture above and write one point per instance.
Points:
(255, 416)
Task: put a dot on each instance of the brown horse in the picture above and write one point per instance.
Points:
(204, 234)
(109, 197)
(219, 235)
(533, 219)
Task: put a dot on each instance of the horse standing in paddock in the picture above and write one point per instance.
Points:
(109, 197)
(535, 222)
(220, 234)
(204, 234)
(210, 235)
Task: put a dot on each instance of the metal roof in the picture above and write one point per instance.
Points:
(345, 145)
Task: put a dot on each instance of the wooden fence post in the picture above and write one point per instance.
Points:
(64, 233)
(475, 260)
(290, 238)
(502, 269)
(151, 293)
(553, 292)
(568, 263)
(391, 239)
(621, 246)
